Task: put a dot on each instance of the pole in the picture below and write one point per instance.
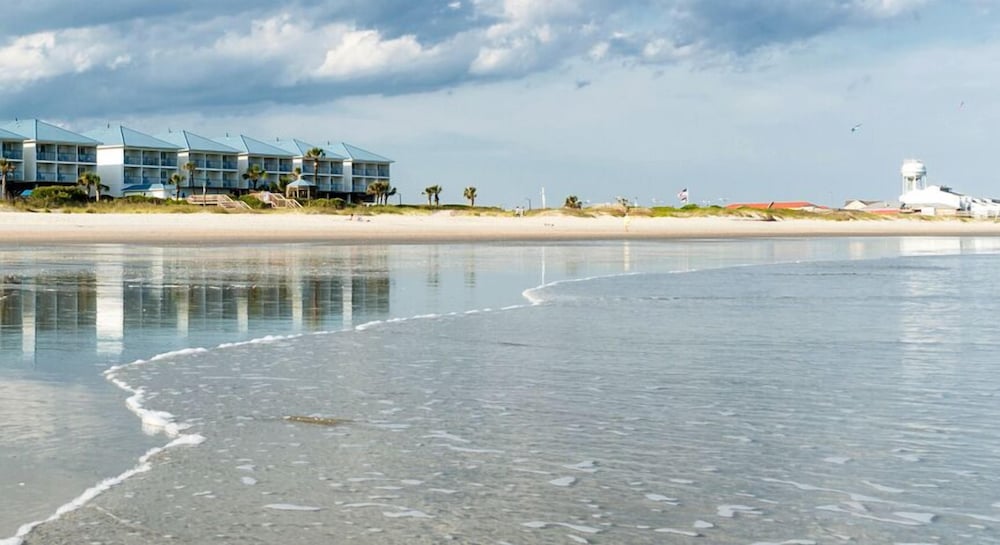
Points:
(529, 202)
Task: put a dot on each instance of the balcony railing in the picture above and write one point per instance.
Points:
(169, 161)
(12, 154)
(229, 165)
(53, 177)
(213, 164)
(87, 158)
(133, 160)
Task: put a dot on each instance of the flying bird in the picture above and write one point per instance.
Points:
(856, 127)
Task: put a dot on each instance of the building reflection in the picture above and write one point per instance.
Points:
(104, 308)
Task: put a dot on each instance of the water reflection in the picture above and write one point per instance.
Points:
(105, 306)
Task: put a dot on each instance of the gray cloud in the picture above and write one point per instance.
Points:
(121, 57)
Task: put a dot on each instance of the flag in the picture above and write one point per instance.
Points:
(683, 196)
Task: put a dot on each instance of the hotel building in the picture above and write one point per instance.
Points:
(131, 162)
(134, 163)
(329, 181)
(272, 160)
(51, 153)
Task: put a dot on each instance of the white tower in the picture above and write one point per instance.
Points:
(914, 173)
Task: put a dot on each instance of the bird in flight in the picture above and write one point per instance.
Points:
(856, 127)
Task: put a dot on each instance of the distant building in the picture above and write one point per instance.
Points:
(873, 207)
(133, 163)
(779, 205)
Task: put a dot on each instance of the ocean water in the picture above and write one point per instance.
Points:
(762, 391)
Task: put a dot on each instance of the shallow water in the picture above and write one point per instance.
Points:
(809, 401)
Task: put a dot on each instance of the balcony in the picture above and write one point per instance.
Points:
(53, 177)
(66, 157)
(133, 159)
(13, 154)
(213, 164)
(229, 165)
(168, 161)
(87, 158)
(133, 180)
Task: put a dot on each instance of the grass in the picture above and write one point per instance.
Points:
(152, 206)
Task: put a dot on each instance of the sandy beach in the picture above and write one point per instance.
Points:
(20, 228)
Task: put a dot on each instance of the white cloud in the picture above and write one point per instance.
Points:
(359, 53)
(42, 55)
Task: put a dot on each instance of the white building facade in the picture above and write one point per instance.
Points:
(216, 170)
(329, 179)
(54, 154)
(129, 161)
(272, 160)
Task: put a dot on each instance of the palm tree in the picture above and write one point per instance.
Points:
(572, 202)
(470, 194)
(314, 155)
(176, 179)
(6, 168)
(433, 192)
(281, 186)
(191, 167)
(90, 179)
(381, 190)
(254, 174)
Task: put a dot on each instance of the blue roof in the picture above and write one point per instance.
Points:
(119, 135)
(7, 135)
(253, 146)
(301, 183)
(190, 141)
(358, 154)
(40, 131)
(299, 148)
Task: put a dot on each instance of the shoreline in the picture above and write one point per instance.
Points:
(27, 228)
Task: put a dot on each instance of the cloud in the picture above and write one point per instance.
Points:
(118, 57)
(42, 55)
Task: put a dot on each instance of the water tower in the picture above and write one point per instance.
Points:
(914, 173)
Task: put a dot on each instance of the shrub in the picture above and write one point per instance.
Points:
(337, 203)
(139, 199)
(57, 196)
(252, 202)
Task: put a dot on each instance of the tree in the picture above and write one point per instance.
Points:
(191, 167)
(91, 180)
(254, 174)
(433, 192)
(314, 155)
(572, 202)
(176, 179)
(6, 168)
(470, 195)
(381, 190)
(282, 184)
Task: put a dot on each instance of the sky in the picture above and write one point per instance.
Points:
(531, 101)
